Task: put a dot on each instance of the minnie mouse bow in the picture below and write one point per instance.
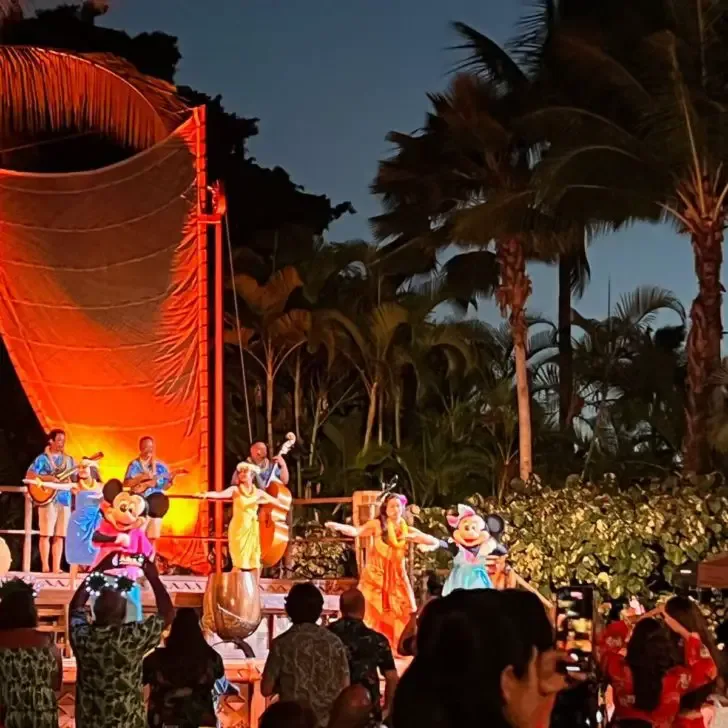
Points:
(463, 512)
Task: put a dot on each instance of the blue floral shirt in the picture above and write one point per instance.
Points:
(42, 465)
(136, 468)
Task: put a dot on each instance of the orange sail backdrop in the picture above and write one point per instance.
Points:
(103, 309)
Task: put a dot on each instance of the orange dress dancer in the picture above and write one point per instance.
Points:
(390, 601)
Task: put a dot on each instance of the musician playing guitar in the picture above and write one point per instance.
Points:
(268, 470)
(53, 516)
(147, 475)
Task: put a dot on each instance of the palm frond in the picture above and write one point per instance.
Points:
(532, 32)
(640, 307)
(487, 58)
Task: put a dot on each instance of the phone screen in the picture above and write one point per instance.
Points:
(575, 616)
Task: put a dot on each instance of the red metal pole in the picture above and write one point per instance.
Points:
(219, 424)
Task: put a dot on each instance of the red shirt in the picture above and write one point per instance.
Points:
(698, 670)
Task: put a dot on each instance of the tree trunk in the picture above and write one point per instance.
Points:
(397, 418)
(380, 429)
(566, 353)
(703, 345)
(512, 294)
(297, 417)
(269, 383)
(373, 392)
(315, 428)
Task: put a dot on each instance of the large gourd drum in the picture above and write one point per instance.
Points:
(5, 558)
(231, 607)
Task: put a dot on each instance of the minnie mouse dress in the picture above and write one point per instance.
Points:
(470, 566)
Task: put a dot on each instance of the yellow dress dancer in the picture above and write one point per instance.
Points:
(244, 528)
(390, 601)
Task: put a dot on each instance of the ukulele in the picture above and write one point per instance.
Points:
(42, 492)
(142, 483)
(274, 532)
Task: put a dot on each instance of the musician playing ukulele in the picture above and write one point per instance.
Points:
(53, 516)
(147, 475)
(267, 470)
(244, 529)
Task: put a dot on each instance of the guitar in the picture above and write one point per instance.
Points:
(273, 520)
(42, 492)
(140, 484)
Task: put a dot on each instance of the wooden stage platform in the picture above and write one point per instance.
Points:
(56, 591)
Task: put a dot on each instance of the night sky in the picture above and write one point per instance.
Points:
(329, 78)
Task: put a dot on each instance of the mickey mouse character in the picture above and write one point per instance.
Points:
(473, 540)
(125, 516)
(123, 530)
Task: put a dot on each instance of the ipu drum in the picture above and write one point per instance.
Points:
(232, 606)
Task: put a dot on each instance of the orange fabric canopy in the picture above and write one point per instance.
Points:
(103, 310)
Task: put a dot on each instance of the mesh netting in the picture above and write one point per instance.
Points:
(103, 290)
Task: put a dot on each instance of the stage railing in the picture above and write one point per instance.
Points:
(27, 532)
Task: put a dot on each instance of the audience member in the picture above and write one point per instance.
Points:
(109, 653)
(31, 669)
(352, 709)
(476, 665)
(687, 613)
(182, 676)
(651, 677)
(307, 663)
(369, 653)
(288, 714)
(407, 640)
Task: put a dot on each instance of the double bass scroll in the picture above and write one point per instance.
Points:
(274, 531)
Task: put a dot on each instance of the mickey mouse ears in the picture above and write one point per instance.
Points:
(496, 525)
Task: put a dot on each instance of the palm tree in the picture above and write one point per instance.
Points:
(616, 360)
(645, 137)
(272, 331)
(466, 180)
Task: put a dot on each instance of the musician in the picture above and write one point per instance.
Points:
(148, 475)
(268, 470)
(53, 516)
(85, 517)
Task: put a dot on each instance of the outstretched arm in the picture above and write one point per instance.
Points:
(368, 529)
(165, 606)
(217, 494)
(264, 497)
(423, 539)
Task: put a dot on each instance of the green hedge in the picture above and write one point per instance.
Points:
(628, 542)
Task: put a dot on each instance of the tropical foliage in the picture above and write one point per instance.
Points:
(628, 542)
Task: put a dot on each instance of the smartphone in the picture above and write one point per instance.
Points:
(575, 628)
(129, 560)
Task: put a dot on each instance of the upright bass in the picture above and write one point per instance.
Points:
(274, 532)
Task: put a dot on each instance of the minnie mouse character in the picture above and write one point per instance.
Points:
(473, 540)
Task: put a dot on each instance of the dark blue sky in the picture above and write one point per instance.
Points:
(329, 78)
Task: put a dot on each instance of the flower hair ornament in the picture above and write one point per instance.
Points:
(386, 494)
(464, 512)
(19, 583)
(97, 582)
